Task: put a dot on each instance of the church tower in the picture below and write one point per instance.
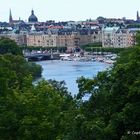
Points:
(138, 18)
(10, 17)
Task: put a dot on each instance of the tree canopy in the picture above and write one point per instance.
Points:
(9, 46)
(113, 108)
(47, 111)
(138, 38)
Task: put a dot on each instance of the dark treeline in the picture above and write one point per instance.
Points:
(47, 111)
(97, 47)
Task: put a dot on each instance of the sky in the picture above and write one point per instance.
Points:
(66, 10)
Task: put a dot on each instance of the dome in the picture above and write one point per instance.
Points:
(32, 17)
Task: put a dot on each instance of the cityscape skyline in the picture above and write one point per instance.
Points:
(66, 10)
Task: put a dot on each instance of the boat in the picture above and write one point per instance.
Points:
(66, 58)
(109, 61)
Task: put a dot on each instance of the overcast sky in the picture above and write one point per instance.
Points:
(64, 10)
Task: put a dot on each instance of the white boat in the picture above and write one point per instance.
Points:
(109, 61)
(66, 58)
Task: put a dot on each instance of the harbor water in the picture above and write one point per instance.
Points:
(69, 71)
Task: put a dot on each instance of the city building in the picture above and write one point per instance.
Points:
(20, 39)
(63, 38)
(111, 32)
(117, 38)
(52, 40)
(12, 21)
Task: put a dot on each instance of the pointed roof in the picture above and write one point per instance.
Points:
(137, 15)
(33, 28)
(10, 16)
(10, 13)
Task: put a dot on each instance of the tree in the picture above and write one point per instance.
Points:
(138, 38)
(44, 111)
(9, 46)
(115, 98)
(47, 111)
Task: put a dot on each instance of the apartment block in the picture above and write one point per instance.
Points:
(116, 37)
(20, 39)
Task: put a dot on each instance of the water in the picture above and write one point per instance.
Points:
(69, 71)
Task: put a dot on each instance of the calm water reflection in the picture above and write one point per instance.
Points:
(69, 71)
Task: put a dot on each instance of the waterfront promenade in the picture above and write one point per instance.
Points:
(40, 56)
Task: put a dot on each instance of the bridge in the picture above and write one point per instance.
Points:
(41, 56)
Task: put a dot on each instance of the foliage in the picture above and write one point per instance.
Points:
(47, 111)
(9, 46)
(44, 111)
(41, 113)
(138, 38)
(24, 68)
(101, 49)
(93, 45)
(133, 25)
(115, 98)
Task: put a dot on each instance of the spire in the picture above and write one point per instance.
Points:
(138, 18)
(32, 12)
(10, 17)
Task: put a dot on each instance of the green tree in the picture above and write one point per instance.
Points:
(44, 111)
(47, 111)
(115, 98)
(9, 46)
(138, 38)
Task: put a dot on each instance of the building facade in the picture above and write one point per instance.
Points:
(117, 38)
(62, 40)
(20, 39)
(45, 40)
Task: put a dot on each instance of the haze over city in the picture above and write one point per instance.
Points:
(65, 10)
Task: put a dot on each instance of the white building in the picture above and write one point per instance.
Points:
(117, 38)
